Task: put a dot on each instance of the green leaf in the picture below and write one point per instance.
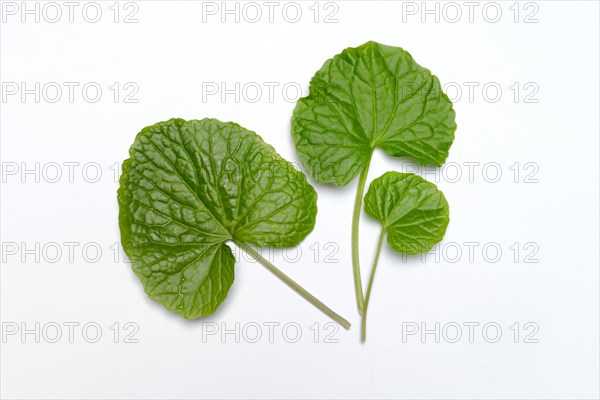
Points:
(413, 211)
(368, 97)
(191, 186)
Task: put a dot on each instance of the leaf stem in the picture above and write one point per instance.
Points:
(292, 284)
(363, 333)
(360, 189)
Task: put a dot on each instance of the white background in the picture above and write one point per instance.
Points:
(170, 54)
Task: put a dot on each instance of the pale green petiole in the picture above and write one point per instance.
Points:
(360, 189)
(363, 333)
(292, 284)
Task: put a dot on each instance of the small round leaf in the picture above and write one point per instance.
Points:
(413, 211)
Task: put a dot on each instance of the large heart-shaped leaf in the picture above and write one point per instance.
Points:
(368, 97)
(189, 187)
(413, 212)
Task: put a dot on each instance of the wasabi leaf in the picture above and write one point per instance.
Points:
(413, 211)
(368, 97)
(372, 96)
(191, 186)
